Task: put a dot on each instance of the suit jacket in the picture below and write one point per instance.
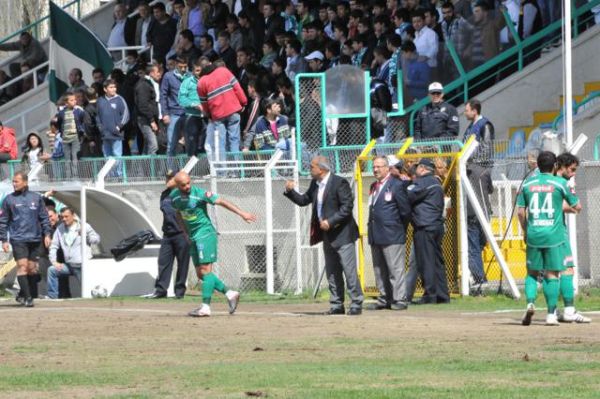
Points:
(389, 213)
(338, 201)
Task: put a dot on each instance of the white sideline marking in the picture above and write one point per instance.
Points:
(516, 310)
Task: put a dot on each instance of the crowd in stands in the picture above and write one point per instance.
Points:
(255, 49)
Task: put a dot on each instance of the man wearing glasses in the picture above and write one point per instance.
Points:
(437, 119)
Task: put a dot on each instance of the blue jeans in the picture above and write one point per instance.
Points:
(173, 133)
(476, 244)
(228, 130)
(53, 273)
(113, 148)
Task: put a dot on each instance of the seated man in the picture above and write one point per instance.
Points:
(68, 238)
(271, 130)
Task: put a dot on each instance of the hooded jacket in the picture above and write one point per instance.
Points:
(8, 142)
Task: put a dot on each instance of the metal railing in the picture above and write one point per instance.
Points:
(21, 117)
(578, 106)
(34, 27)
(32, 72)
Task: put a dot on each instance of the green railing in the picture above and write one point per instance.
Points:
(592, 96)
(597, 148)
(34, 27)
(520, 51)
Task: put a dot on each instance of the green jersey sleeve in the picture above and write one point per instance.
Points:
(521, 200)
(200, 194)
(570, 196)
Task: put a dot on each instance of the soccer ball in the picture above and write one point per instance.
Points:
(99, 292)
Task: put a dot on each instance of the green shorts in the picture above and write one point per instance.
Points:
(203, 249)
(552, 259)
(567, 254)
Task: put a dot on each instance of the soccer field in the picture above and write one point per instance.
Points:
(133, 348)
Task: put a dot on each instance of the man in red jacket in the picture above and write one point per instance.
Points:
(8, 144)
(222, 99)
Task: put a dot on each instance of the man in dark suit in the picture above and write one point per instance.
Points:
(332, 222)
(389, 213)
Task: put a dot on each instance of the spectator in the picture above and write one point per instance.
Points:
(223, 99)
(483, 130)
(33, 153)
(269, 54)
(401, 23)
(380, 30)
(273, 22)
(290, 23)
(286, 95)
(217, 17)
(417, 73)
(248, 31)
(271, 131)
(332, 54)
(340, 33)
(437, 119)
(71, 120)
(142, 25)
(394, 44)
(243, 59)
(193, 124)
(426, 40)
(98, 76)
(459, 32)
(76, 81)
(161, 33)
(233, 28)
(169, 104)
(331, 21)
(113, 115)
(486, 34)
(186, 48)
(530, 22)
(27, 81)
(381, 104)
(304, 16)
(7, 93)
(465, 8)
(193, 19)
(315, 61)
(278, 68)
(381, 64)
(252, 111)
(50, 135)
(295, 62)
(147, 94)
(123, 30)
(67, 238)
(91, 141)
(207, 45)
(226, 53)
(30, 51)
(362, 56)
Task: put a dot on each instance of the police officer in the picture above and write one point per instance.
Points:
(25, 219)
(426, 197)
(389, 213)
(173, 245)
(437, 119)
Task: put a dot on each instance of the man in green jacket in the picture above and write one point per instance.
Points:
(193, 126)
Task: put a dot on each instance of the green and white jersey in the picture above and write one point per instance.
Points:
(193, 209)
(543, 197)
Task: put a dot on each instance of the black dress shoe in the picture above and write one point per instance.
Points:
(156, 295)
(178, 296)
(355, 312)
(377, 306)
(334, 311)
(399, 306)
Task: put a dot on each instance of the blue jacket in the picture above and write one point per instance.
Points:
(113, 114)
(169, 91)
(79, 115)
(426, 197)
(418, 76)
(24, 217)
(389, 214)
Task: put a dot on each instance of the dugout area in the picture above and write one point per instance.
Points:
(411, 151)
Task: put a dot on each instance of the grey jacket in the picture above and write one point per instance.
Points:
(72, 250)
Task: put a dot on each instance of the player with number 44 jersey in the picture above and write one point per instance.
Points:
(541, 216)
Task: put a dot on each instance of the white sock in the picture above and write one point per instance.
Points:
(570, 310)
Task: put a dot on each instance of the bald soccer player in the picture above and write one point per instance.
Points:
(190, 202)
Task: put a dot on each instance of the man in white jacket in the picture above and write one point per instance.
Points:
(68, 238)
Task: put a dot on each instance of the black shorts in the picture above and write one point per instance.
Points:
(27, 250)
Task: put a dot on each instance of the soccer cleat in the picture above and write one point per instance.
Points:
(233, 298)
(202, 311)
(574, 317)
(552, 319)
(528, 314)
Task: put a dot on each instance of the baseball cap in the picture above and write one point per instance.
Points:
(436, 87)
(427, 163)
(315, 55)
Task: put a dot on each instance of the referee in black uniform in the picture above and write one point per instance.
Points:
(426, 197)
(173, 245)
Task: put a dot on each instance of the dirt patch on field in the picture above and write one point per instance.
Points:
(112, 348)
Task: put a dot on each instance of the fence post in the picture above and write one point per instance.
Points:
(269, 220)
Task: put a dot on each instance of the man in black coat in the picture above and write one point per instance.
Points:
(333, 224)
(146, 108)
(389, 213)
(426, 197)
